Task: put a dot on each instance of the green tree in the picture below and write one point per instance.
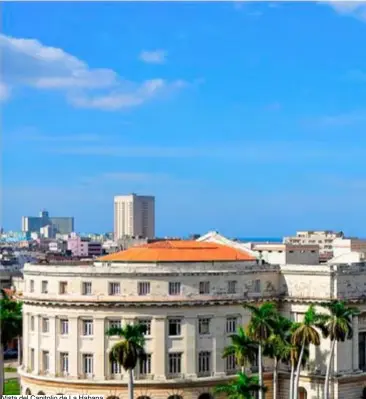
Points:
(278, 346)
(336, 325)
(129, 350)
(260, 329)
(243, 348)
(293, 358)
(304, 335)
(243, 387)
(11, 326)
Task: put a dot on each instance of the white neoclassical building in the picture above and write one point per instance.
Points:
(190, 296)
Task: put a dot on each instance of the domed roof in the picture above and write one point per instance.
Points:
(179, 251)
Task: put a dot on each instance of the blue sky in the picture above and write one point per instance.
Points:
(248, 118)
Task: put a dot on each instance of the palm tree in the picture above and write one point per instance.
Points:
(278, 347)
(243, 348)
(337, 325)
(260, 328)
(293, 358)
(243, 387)
(11, 326)
(304, 335)
(129, 350)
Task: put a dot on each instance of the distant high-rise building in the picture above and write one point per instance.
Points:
(323, 238)
(34, 224)
(134, 215)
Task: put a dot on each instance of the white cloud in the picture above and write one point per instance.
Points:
(153, 57)
(355, 9)
(294, 153)
(133, 176)
(4, 92)
(339, 120)
(29, 63)
(124, 97)
(70, 138)
(357, 75)
(275, 106)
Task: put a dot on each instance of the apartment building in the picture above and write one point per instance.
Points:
(134, 216)
(323, 238)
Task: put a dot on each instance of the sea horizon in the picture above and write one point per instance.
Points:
(260, 239)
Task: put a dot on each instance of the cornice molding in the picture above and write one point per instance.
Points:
(153, 274)
(183, 303)
(129, 304)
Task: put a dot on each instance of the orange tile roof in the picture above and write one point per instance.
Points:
(179, 251)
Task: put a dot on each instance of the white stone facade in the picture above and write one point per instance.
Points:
(191, 309)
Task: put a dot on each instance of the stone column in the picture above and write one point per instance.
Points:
(190, 347)
(219, 334)
(53, 349)
(355, 343)
(37, 349)
(100, 348)
(159, 363)
(74, 355)
(25, 341)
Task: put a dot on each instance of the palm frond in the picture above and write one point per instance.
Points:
(130, 349)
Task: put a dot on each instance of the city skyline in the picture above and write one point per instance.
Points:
(243, 118)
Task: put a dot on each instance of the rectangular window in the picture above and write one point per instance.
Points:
(87, 288)
(204, 287)
(114, 288)
(87, 327)
(147, 324)
(145, 365)
(32, 359)
(32, 323)
(45, 361)
(175, 327)
(143, 288)
(204, 326)
(204, 363)
(362, 351)
(231, 287)
(115, 368)
(231, 323)
(31, 287)
(44, 287)
(63, 287)
(257, 286)
(87, 364)
(230, 366)
(64, 327)
(115, 324)
(174, 288)
(175, 363)
(45, 325)
(64, 362)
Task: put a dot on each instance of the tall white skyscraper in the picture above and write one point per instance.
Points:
(134, 215)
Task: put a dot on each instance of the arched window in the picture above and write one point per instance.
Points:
(41, 393)
(205, 396)
(144, 397)
(175, 397)
(302, 393)
(28, 391)
(113, 397)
